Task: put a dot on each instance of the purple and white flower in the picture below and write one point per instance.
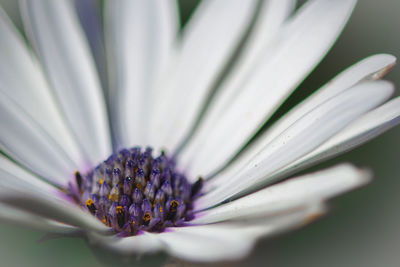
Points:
(149, 153)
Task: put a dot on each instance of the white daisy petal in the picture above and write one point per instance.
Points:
(231, 241)
(358, 132)
(237, 113)
(89, 14)
(24, 140)
(10, 215)
(26, 180)
(51, 207)
(139, 35)
(209, 243)
(22, 81)
(300, 138)
(56, 34)
(273, 14)
(371, 68)
(144, 243)
(208, 42)
(288, 195)
(21, 190)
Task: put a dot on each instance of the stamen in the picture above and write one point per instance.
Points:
(90, 205)
(198, 185)
(174, 205)
(120, 216)
(147, 217)
(133, 191)
(78, 179)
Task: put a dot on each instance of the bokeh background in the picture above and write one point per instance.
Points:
(362, 228)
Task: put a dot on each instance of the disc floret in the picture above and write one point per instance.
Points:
(133, 191)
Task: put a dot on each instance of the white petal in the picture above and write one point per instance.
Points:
(55, 32)
(23, 178)
(209, 243)
(139, 35)
(208, 42)
(52, 208)
(300, 138)
(358, 132)
(288, 195)
(145, 243)
(273, 14)
(24, 140)
(22, 80)
(371, 68)
(89, 13)
(14, 217)
(21, 190)
(231, 241)
(25, 182)
(242, 108)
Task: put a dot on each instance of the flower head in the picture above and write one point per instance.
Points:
(132, 191)
(160, 160)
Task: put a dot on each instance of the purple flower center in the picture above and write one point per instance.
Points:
(133, 191)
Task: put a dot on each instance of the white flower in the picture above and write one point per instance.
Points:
(239, 61)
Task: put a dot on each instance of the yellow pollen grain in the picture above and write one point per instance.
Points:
(89, 202)
(119, 209)
(174, 203)
(161, 209)
(113, 197)
(101, 181)
(147, 217)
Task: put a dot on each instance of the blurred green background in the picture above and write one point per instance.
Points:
(362, 228)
